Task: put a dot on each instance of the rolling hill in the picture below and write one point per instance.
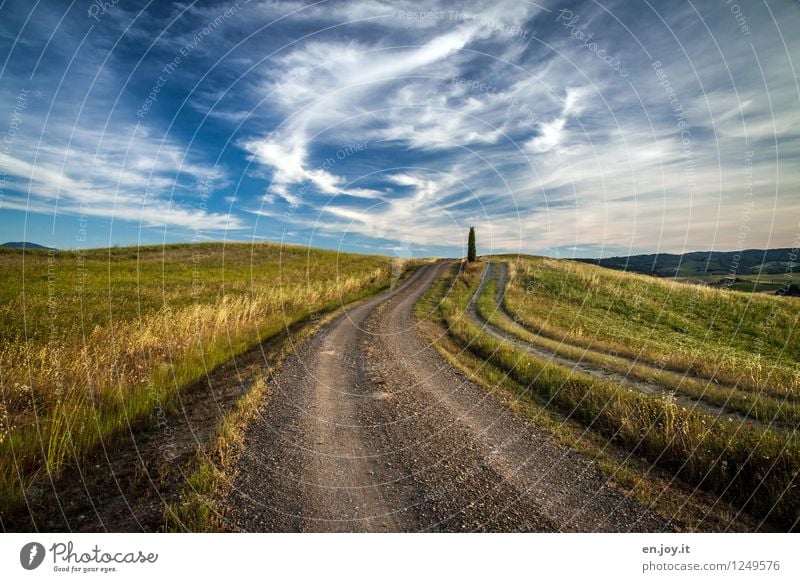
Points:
(702, 263)
(24, 245)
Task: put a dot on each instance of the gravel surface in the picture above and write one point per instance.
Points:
(368, 428)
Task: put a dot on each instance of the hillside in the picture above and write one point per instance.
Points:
(24, 245)
(703, 263)
(104, 337)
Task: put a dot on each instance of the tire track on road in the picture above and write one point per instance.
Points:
(368, 428)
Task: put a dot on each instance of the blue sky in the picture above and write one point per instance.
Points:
(562, 128)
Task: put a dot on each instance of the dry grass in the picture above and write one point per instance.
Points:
(95, 342)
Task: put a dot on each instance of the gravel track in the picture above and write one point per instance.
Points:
(367, 428)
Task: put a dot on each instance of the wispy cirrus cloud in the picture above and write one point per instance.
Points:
(378, 122)
(122, 175)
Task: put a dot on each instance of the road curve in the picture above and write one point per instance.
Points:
(368, 428)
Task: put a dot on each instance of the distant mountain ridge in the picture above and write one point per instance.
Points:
(25, 245)
(700, 263)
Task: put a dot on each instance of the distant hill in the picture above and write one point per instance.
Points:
(24, 245)
(704, 263)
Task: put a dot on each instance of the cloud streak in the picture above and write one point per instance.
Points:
(370, 123)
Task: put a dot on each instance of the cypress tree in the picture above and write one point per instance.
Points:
(471, 251)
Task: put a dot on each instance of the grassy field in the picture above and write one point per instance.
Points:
(778, 413)
(691, 329)
(92, 341)
(749, 341)
(746, 283)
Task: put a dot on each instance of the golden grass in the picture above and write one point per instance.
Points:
(157, 324)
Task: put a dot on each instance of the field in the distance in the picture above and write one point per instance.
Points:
(93, 340)
(751, 271)
(698, 263)
(749, 340)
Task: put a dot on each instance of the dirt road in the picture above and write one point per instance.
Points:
(368, 428)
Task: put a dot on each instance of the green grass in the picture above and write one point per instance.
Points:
(763, 408)
(654, 488)
(744, 340)
(753, 469)
(755, 285)
(96, 341)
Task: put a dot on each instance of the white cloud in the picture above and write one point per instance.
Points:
(121, 175)
(323, 83)
(542, 145)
